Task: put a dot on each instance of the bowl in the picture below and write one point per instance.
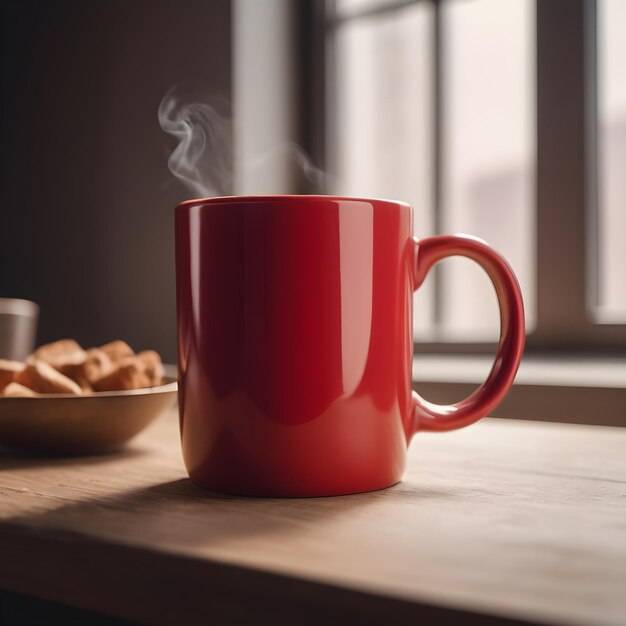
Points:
(68, 424)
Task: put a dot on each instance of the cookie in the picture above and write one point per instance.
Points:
(65, 352)
(95, 366)
(117, 350)
(129, 373)
(8, 371)
(15, 390)
(76, 372)
(43, 378)
(153, 367)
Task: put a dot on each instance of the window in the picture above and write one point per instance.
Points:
(495, 118)
(611, 245)
(384, 121)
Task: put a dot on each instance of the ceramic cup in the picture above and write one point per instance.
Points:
(18, 328)
(295, 342)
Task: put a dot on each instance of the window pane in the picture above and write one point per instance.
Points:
(349, 7)
(383, 118)
(612, 160)
(488, 152)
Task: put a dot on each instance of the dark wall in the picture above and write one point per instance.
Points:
(87, 202)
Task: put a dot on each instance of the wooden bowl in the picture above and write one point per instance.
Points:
(67, 424)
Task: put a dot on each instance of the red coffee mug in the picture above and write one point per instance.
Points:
(295, 342)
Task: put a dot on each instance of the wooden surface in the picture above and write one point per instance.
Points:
(504, 520)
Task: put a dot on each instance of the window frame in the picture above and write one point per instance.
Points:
(565, 172)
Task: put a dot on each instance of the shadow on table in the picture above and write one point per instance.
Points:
(178, 513)
(23, 459)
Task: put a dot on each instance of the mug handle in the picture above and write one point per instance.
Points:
(427, 252)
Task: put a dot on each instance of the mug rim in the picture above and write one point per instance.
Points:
(249, 199)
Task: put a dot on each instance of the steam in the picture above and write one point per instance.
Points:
(203, 158)
(288, 155)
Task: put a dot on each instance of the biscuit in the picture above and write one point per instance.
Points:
(64, 367)
(76, 372)
(15, 390)
(60, 353)
(117, 350)
(153, 367)
(8, 371)
(43, 378)
(129, 373)
(96, 365)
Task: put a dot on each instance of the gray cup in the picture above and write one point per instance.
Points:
(18, 328)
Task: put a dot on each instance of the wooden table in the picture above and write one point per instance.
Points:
(500, 522)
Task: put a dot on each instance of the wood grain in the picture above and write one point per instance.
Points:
(505, 520)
